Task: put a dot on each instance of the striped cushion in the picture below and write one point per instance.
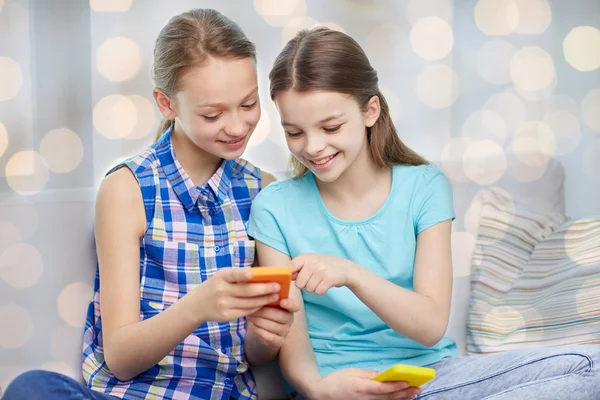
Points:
(535, 279)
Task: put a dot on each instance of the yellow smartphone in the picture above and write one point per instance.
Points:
(415, 376)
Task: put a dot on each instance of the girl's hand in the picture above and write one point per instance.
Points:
(272, 324)
(222, 298)
(356, 384)
(317, 273)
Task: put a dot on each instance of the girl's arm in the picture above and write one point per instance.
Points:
(267, 330)
(299, 366)
(132, 346)
(422, 314)
(263, 344)
(296, 357)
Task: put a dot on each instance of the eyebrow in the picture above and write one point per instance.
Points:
(331, 117)
(254, 91)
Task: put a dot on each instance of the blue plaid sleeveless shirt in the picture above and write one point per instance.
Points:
(191, 233)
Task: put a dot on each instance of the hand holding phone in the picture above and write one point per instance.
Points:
(280, 275)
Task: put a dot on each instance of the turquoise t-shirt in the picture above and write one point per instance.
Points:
(291, 217)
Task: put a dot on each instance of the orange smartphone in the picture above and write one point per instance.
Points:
(280, 275)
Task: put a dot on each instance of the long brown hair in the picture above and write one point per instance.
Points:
(188, 40)
(324, 59)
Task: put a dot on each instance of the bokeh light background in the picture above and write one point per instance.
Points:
(466, 81)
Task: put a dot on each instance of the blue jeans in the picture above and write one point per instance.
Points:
(45, 385)
(554, 373)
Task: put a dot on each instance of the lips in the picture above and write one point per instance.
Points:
(323, 162)
(235, 143)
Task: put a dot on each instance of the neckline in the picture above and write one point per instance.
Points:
(363, 221)
(186, 190)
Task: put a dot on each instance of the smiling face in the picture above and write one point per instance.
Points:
(326, 131)
(217, 107)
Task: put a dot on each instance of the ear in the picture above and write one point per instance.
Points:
(165, 104)
(372, 111)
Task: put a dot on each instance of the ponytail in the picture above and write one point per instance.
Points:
(162, 128)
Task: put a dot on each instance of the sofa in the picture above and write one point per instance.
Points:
(47, 308)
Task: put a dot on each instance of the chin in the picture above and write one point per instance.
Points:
(232, 155)
(326, 176)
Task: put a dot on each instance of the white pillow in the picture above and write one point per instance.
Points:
(535, 279)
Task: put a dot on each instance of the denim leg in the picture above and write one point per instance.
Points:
(44, 385)
(545, 373)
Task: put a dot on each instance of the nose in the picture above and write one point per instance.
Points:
(236, 126)
(315, 144)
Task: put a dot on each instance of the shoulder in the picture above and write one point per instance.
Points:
(434, 176)
(245, 173)
(267, 179)
(420, 177)
(419, 171)
(124, 185)
(243, 168)
(131, 173)
(120, 180)
(120, 193)
(291, 190)
(141, 165)
(429, 192)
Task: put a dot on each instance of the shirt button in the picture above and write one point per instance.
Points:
(227, 381)
(204, 194)
(217, 249)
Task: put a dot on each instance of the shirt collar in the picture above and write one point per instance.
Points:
(182, 184)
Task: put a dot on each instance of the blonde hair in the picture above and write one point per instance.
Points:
(188, 40)
(324, 59)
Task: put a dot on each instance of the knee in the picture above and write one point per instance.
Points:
(36, 381)
(34, 378)
(577, 362)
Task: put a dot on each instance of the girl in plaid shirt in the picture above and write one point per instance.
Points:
(168, 316)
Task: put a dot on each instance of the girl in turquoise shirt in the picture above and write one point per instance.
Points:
(366, 226)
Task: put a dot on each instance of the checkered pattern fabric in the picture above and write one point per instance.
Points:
(192, 233)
